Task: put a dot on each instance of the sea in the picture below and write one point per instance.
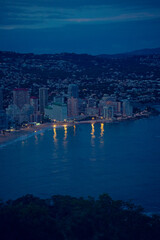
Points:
(120, 159)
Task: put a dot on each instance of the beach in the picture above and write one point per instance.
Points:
(12, 135)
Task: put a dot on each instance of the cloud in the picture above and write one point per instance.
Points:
(122, 17)
(40, 14)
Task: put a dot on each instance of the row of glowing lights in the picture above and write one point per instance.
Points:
(65, 131)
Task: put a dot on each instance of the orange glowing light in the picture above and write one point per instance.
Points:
(102, 129)
(92, 131)
(54, 133)
(65, 132)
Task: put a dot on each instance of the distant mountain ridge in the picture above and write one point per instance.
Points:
(141, 52)
(147, 51)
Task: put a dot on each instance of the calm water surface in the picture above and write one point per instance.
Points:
(120, 159)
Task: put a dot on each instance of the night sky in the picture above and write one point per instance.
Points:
(80, 26)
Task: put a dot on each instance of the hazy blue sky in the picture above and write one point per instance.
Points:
(81, 26)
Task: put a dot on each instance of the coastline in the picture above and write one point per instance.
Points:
(16, 135)
(10, 136)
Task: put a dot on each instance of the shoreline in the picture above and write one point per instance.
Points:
(18, 135)
(24, 133)
(11, 136)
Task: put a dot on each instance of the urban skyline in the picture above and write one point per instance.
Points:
(28, 109)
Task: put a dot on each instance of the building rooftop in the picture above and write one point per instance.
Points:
(59, 104)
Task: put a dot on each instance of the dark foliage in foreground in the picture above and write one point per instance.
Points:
(70, 218)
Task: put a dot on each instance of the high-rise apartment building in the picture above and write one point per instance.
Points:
(34, 103)
(108, 112)
(72, 105)
(73, 90)
(20, 97)
(43, 99)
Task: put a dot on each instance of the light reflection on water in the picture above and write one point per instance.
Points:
(93, 131)
(102, 129)
(74, 129)
(36, 139)
(92, 157)
(65, 132)
(84, 160)
(54, 134)
(65, 138)
(93, 135)
(102, 134)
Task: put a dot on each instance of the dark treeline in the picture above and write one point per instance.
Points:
(70, 218)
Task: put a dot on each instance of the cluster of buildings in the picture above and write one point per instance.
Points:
(24, 109)
(64, 107)
(134, 78)
(29, 109)
(71, 107)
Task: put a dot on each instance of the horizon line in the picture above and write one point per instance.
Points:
(85, 53)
